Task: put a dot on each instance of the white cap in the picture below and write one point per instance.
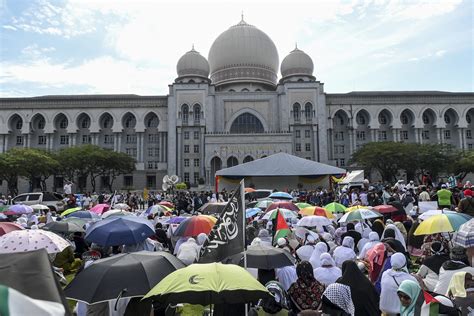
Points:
(310, 239)
(443, 186)
(281, 241)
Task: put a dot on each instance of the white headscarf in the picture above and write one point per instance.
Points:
(327, 273)
(398, 234)
(398, 262)
(286, 276)
(318, 250)
(344, 252)
(373, 240)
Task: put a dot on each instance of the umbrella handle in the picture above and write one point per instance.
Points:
(118, 298)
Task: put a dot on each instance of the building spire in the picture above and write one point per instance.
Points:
(242, 16)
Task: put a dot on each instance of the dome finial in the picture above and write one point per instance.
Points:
(242, 16)
(296, 45)
(192, 47)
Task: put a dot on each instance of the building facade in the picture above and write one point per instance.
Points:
(233, 108)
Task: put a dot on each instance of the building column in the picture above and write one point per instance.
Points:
(396, 134)
(119, 142)
(73, 139)
(351, 141)
(462, 140)
(373, 135)
(202, 169)
(179, 153)
(2, 144)
(115, 141)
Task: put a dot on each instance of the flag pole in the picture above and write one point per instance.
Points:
(242, 200)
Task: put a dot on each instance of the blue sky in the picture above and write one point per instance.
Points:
(108, 47)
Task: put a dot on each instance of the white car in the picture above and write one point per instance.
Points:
(52, 200)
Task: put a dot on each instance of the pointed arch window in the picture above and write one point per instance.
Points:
(197, 113)
(308, 111)
(246, 123)
(296, 111)
(185, 113)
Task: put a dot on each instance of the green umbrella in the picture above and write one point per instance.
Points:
(263, 203)
(70, 210)
(335, 207)
(210, 283)
(4, 208)
(302, 205)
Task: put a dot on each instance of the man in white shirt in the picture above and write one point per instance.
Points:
(67, 189)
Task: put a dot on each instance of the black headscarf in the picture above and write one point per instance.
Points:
(364, 295)
(439, 257)
(378, 227)
(415, 241)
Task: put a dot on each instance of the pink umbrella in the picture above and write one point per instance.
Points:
(285, 205)
(6, 227)
(100, 208)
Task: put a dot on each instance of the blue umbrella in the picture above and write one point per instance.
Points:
(250, 212)
(123, 230)
(281, 196)
(84, 214)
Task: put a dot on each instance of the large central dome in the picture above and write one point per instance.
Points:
(243, 53)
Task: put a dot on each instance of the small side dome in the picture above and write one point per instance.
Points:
(192, 64)
(297, 63)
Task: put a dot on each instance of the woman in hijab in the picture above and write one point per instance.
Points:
(338, 233)
(337, 300)
(429, 270)
(319, 249)
(378, 226)
(365, 239)
(373, 240)
(414, 243)
(327, 273)
(306, 292)
(391, 280)
(392, 231)
(329, 239)
(461, 290)
(265, 237)
(378, 263)
(276, 304)
(458, 262)
(345, 251)
(364, 295)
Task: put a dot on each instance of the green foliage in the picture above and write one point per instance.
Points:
(388, 158)
(181, 186)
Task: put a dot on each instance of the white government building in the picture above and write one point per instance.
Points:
(232, 108)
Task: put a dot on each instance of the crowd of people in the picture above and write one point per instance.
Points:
(372, 267)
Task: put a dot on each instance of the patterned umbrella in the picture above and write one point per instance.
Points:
(385, 209)
(335, 207)
(286, 214)
(100, 208)
(356, 207)
(193, 226)
(316, 210)
(263, 204)
(313, 221)
(430, 213)
(465, 235)
(18, 209)
(285, 205)
(32, 239)
(167, 204)
(358, 215)
(442, 223)
(157, 208)
(6, 227)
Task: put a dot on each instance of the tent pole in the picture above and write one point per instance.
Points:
(242, 197)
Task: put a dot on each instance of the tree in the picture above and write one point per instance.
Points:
(10, 171)
(464, 164)
(112, 164)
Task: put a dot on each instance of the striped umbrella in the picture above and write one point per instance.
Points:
(355, 207)
(316, 210)
(442, 223)
(167, 204)
(465, 235)
(359, 215)
(273, 213)
(335, 207)
(194, 225)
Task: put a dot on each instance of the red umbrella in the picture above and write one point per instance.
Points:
(6, 227)
(285, 205)
(385, 208)
(195, 225)
(100, 208)
(167, 204)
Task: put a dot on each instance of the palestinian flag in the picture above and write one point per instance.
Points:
(430, 305)
(13, 303)
(281, 227)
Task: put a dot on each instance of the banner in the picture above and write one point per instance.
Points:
(228, 235)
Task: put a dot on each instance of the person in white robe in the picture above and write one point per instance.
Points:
(373, 240)
(365, 239)
(345, 251)
(319, 249)
(327, 273)
(286, 276)
(188, 252)
(330, 241)
(398, 234)
(304, 252)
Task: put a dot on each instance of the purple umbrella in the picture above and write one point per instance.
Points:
(176, 220)
(19, 209)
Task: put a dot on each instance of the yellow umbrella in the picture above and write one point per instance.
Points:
(315, 210)
(353, 208)
(211, 218)
(442, 223)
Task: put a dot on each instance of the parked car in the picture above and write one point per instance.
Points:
(52, 200)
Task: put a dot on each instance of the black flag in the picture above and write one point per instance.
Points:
(227, 235)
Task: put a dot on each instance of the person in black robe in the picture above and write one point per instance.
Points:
(352, 233)
(364, 295)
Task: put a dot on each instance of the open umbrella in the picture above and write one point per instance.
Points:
(121, 206)
(280, 196)
(84, 215)
(262, 256)
(211, 283)
(465, 235)
(287, 214)
(120, 230)
(335, 207)
(168, 204)
(100, 208)
(359, 215)
(176, 219)
(76, 220)
(212, 208)
(157, 208)
(250, 212)
(314, 221)
(128, 275)
(71, 210)
(263, 204)
(315, 210)
(428, 214)
(64, 227)
(442, 223)
(18, 209)
(247, 190)
(115, 213)
(39, 207)
(32, 239)
(6, 227)
(384, 209)
(194, 225)
(302, 205)
(355, 207)
(286, 205)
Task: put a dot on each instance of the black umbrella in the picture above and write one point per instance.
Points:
(212, 208)
(264, 257)
(64, 227)
(31, 274)
(125, 275)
